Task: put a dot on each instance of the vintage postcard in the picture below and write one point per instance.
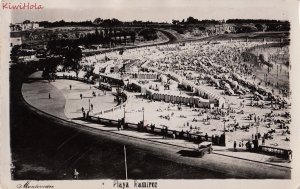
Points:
(138, 94)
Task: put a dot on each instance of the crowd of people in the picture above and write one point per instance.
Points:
(219, 68)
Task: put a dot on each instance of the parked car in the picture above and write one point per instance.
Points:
(203, 148)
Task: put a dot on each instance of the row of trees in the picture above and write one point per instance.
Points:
(192, 21)
(62, 23)
(255, 21)
(247, 28)
(149, 34)
(106, 38)
(98, 22)
(241, 25)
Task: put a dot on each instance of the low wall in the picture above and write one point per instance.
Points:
(192, 137)
(279, 152)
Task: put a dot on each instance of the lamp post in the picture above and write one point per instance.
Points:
(124, 112)
(126, 175)
(143, 117)
(99, 79)
(224, 125)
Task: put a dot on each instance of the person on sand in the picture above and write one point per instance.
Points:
(49, 95)
(206, 137)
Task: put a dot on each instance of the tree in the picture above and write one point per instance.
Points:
(133, 37)
(98, 21)
(125, 37)
(14, 54)
(73, 55)
(149, 34)
(175, 22)
(97, 36)
(191, 20)
(26, 22)
(49, 65)
(89, 71)
(260, 27)
(263, 58)
(246, 29)
(101, 36)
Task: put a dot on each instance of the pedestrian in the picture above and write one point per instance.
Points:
(234, 146)
(70, 87)
(80, 95)
(290, 156)
(82, 109)
(248, 146)
(76, 173)
(92, 106)
(88, 114)
(119, 125)
(166, 132)
(49, 95)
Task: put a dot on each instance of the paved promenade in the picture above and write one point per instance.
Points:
(66, 103)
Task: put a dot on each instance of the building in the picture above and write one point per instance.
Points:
(15, 41)
(220, 28)
(24, 26)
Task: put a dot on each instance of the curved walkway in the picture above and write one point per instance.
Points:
(66, 103)
(36, 93)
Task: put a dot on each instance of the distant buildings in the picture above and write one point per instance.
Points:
(15, 41)
(24, 26)
(221, 28)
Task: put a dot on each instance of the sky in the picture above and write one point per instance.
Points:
(153, 10)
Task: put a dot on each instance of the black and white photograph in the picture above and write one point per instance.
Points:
(138, 94)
